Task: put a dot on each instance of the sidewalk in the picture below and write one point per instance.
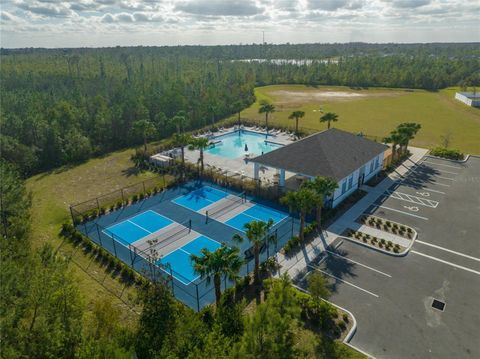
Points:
(298, 263)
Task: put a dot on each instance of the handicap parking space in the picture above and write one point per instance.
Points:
(392, 297)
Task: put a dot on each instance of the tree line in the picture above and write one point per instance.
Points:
(64, 106)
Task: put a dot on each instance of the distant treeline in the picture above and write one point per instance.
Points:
(65, 105)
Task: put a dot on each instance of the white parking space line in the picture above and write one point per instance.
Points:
(422, 189)
(443, 171)
(397, 210)
(360, 264)
(420, 181)
(448, 250)
(344, 281)
(441, 164)
(412, 199)
(447, 263)
(445, 178)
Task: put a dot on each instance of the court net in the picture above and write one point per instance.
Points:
(226, 205)
(153, 246)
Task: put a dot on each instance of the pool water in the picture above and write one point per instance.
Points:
(232, 144)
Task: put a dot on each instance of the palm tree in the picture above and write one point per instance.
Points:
(266, 108)
(329, 117)
(395, 139)
(199, 143)
(257, 234)
(237, 107)
(181, 140)
(146, 129)
(325, 187)
(302, 201)
(224, 261)
(296, 115)
(180, 121)
(407, 130)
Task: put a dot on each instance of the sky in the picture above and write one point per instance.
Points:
(103, 23)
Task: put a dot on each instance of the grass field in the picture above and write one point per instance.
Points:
(375, 112)
(54, 191)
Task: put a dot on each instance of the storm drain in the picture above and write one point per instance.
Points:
(438, 305)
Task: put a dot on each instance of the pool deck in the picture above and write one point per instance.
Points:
(238, 166)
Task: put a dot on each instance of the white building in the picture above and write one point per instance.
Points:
(469, 98)
(349, 159)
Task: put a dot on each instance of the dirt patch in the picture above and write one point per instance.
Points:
(289, 97)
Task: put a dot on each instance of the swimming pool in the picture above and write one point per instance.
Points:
(239, 143)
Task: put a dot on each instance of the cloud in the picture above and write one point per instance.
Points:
(409, 4)
(219, 7)
(131, 18)
(45, 8)
(333, 5)
(84, 6)
(5, 16)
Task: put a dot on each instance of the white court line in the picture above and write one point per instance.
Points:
(448, 263)
(344, 281)
(146, 230)
(397, 210)
(360, 264)
(441, 164)
(449, 250)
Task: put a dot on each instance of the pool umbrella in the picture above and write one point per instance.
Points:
(246, 148)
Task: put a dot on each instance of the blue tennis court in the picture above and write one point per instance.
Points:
(180, 262)
(138, 227)
(256, 213)
(200, 198)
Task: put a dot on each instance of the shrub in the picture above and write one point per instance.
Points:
(345, 317)
(409, 230)
(119, 204)
(388, 223)
(382, 241)
(380, 245)
(135, 198)
(390, 243)
(291, 245)
(342, 325)
(102, 210)
(396, 250)
(141, 196)
(395, 226)
(67, 229)
(364, 239)
(447, 153)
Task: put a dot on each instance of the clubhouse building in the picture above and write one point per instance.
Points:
(469, 98)
(349, 159)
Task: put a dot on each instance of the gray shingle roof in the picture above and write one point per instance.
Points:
(331, 153)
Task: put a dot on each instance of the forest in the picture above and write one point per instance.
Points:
(63, 106)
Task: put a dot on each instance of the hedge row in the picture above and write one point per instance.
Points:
(103, 256)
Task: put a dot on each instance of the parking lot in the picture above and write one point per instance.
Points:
(391, 297)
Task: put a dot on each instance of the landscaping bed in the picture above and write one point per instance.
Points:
(450, 154)
(387, 226)
(373, 241)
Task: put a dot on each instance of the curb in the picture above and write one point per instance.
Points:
(352, 330)
(393, 254)
(447, 159)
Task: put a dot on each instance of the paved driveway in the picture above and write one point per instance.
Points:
(391, 297)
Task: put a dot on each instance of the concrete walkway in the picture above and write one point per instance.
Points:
(298, 263)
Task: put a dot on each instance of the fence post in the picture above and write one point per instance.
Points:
(291, 234)
(99, 236)
(114, 247)
(171, 278)
(198, 299)
(73, 217)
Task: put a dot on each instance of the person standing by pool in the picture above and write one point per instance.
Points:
(246, 148)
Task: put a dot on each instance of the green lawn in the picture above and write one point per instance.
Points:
(377, 111)
(54, 191)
